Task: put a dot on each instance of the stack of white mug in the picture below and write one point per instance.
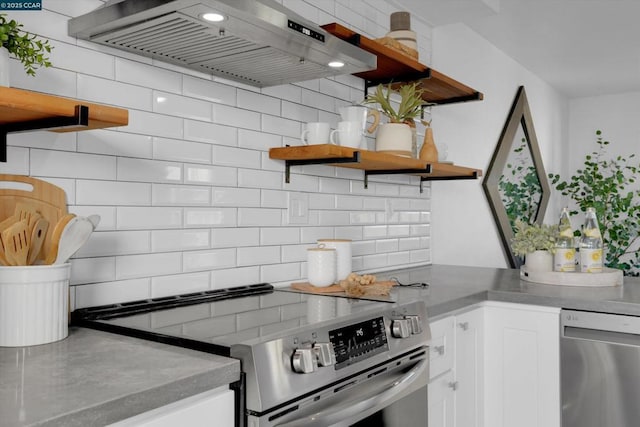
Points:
(350, 131)
(329, 262)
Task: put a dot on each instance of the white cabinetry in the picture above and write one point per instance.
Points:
(496, 365)
(456, 362)
(214, 408)
(522, 370)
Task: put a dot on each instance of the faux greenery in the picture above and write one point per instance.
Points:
(26, 47)
(533, 237)
(410, 105)
(519, 187)
(604, 184)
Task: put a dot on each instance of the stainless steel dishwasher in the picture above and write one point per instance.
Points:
(600, 369)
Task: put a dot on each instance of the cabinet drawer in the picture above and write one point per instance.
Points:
(441, 346)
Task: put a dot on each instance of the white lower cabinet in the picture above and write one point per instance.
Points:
(522, 369)
(214, 408)
(496, 365)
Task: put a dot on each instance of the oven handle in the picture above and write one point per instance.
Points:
(350, 412)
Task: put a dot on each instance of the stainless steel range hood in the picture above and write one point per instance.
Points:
(259, 42)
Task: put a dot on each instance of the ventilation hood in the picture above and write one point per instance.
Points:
(258, 42)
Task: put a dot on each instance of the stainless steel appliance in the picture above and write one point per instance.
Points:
(600, 369)
(307, 360)
(256, 42)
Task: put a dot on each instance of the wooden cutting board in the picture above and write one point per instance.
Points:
(47, 199)
(308, 287)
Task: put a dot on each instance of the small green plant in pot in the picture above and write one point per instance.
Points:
(28, 48)
(610, 186)
(536, 243)
(398, 136)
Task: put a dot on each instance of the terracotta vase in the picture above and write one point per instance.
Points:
(429, 151)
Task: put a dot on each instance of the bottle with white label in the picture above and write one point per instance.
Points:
(591, 244)
(564, 258)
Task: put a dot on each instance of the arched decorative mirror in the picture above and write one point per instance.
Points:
(516, 184)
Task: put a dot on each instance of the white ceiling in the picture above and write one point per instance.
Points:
(580, 47)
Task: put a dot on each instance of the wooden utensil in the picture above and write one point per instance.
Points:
(52, 252)
(38, 233)
(16, 243)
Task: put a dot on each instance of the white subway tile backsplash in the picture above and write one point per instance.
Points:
(72, 165)
(210, 175)
(179, 150)
(400, 231)
(112, 292)
(399, 258)
(305, 183)
(210, 133)
(258, 255)
(101, 141)
(90, 270)
(258, 140)
(179, 240)
(420, 256)
(208, 90)
(237, 157)
(409, 243)
(387, 245)
(274, 199)
(236, 117)
(112, 193)
(148, 170)
(147, 123)
(299, 112)
(181, 106)
(257, 102)
(234, 237)
(179, 284)
(334, 186)
(17, 161)
(148, 218)
(144, 75)
(322, 201)
(180, 195)
(210, 217)
(229, 278)
(348, 202)
(295, 253)
(419, 230)
(148, 265)
(107, 215)
(209, 259)
(364, 247)
(231, 196)
(373, 262)
(65, 141)
(280, 126)
(260, 179)
(107, 91)
(318, 100)
(358, 218)
(251, 217)
(312, 234)
(279, 236)
(279, 272)
(374, 231)
(289, 92)
(349, 232)
(50, 80)
(333, 217)
(107, 243)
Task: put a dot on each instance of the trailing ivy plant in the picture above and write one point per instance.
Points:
(27, 48)
(605, 184)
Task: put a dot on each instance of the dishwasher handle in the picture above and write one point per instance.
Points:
(612, 328)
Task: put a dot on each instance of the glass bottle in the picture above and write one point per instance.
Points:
(591, 244)
(564, 258)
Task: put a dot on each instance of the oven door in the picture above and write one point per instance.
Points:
(390, 395)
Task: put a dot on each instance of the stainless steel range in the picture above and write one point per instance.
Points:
(309, 360)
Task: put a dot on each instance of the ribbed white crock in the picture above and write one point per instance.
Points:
(34, 304)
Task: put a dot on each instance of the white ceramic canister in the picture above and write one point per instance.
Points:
(321, 266)
(343, 254)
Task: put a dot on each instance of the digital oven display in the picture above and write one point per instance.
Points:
(357, 342)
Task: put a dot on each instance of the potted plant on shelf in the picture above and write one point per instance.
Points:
(398, 135)
(28, 48)
(536, 243)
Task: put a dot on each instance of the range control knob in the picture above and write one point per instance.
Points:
(304, 361)
(324, 353)
(400, 328)
(416, 326)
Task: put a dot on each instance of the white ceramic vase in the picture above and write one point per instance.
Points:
(4, 67)
(539, 261)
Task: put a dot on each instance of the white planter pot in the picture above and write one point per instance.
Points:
(539, 261)
(395, 138)
(4, 67)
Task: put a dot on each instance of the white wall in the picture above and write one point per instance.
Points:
(188, 196)
(464, 231)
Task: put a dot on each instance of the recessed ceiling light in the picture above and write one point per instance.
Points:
(213, 17)
(336, 64)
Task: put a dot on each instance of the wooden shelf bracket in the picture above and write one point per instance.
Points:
(80, 118)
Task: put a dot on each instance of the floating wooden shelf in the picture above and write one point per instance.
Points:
(23, 110)
(372, 162)
(395, 67)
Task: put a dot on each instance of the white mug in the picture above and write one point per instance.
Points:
(315, 133)
(349, 134)
(321, 266)
(343, 255)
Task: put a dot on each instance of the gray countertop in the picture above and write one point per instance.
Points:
(94, 378)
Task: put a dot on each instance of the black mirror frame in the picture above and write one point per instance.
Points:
(518, 115)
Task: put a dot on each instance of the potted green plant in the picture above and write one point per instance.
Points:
(536, 242)
(610, 186)
(398, 135)
(28, 48)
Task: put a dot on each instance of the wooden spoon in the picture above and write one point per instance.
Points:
(38, 234)
(16, 243)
